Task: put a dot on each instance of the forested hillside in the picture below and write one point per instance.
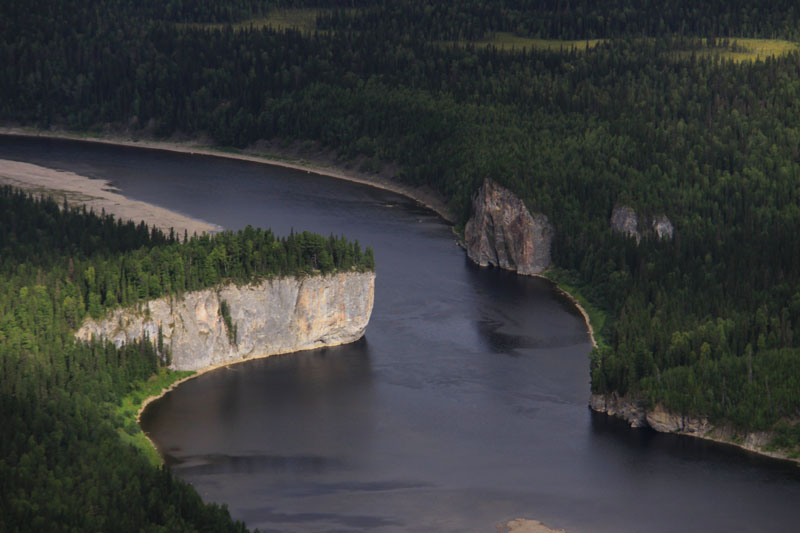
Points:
(63, 464)
(707, 323)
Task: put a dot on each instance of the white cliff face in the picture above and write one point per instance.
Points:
(271, 317)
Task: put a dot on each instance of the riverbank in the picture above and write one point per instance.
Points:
(426, 198)
(267, 154)
(566, 292)
(182, 378)
(97, 195)
(638, 415)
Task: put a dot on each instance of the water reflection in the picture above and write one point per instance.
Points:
(262, 414)
(516, 312)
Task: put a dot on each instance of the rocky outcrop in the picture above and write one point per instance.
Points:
(637, 415)
(502, 232)
(624, 220)
(666, 422)
(663, 227)
(659, 419)
(630, 410)
(271, 317)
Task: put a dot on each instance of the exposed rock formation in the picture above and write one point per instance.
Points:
(658, 418)
(503, 233)
(662, 420)
(634, 412)
(663, 227)
(625, 220)
(274, 316)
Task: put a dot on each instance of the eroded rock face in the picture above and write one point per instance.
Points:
(665, 422)
(271, 317)
(503, 233)
(658, 418)
(625, 220)
(633, 412)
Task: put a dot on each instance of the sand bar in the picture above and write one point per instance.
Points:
(523, 525)
(98, 195)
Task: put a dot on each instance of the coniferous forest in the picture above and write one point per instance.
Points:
(656, 113)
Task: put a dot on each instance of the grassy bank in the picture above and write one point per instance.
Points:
(126, 413)
(596, 316)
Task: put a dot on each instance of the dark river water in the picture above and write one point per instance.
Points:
(464, 406)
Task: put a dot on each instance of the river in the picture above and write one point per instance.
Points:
(464, 406)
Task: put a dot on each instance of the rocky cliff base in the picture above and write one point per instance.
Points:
(658, 418)
(271, 317)
(502, 232)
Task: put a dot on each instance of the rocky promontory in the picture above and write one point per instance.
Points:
(231, 323)
(502, 232)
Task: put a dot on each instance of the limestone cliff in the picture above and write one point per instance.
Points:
(502, 232)
(273, 316)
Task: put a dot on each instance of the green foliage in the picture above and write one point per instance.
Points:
(75, 457)
(126, 412)
(576, 19)
(230, 327)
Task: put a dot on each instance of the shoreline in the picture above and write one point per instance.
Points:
(172, 386)
(97, 195)
(574, 301)
(635, 416)
(205, 370)
(427, 200)
(743, 446)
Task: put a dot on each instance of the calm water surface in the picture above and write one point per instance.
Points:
(464, 406)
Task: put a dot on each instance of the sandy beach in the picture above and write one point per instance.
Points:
(97, 195)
